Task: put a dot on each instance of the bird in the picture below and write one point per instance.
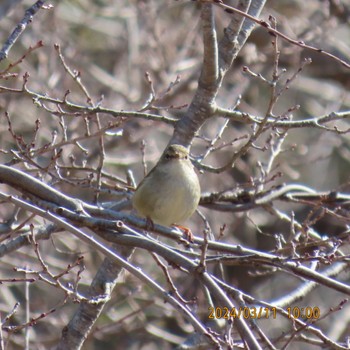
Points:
(169, 194)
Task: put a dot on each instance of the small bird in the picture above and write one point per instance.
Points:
(170, 192)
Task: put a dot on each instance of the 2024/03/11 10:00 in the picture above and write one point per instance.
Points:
(263, 312)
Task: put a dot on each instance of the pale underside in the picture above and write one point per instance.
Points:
(178, 199)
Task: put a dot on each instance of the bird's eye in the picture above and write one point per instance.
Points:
(167, 156)
(186, 156)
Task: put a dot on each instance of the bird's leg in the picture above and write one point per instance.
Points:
(149, 224)
(186, 231)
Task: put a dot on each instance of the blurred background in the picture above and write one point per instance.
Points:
(110, 45)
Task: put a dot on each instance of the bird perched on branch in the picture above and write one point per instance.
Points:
(170, 193)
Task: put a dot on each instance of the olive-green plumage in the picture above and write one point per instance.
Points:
(170, 193)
